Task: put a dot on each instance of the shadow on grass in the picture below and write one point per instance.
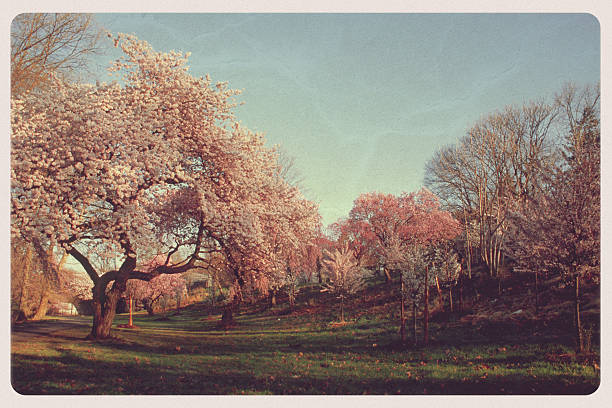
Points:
(118, 367)
(70, 374)
(51, 329)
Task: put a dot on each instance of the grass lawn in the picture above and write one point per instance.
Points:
(269, 353)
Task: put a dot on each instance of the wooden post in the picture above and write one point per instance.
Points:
(130, 310)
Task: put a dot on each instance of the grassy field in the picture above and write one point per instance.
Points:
(270, 352)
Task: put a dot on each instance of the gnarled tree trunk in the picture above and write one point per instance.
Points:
(105, 303)
(104, 309)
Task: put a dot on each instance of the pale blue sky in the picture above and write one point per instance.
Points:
(361, 101)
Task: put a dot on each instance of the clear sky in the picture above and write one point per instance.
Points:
(362, 101)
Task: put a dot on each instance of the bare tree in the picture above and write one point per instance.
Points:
(287, 168)
(35, 270)
(50, 43)
(557, 230)
(497, 162)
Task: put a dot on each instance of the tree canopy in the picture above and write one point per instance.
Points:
(156, 164)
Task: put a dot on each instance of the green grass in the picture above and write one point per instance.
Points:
(288, 354)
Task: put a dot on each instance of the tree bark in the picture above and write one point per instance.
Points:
(104, 314)
(105, 304)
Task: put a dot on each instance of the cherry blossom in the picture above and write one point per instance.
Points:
(153, 163)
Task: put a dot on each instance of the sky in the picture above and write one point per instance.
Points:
(362, 101)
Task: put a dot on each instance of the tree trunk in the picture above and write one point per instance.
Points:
(469, 261)
(426, 311)
(342, 308)
(537, 300)
(149, 306)
(414, 323)
(228, 316)
(228, 313)
(402, 314)
(461, 298)
(43, 305)
(440, 297)
(468, 249)
(104, 313)
(272, 298)
(578, 323)
(105, 304)
(291, 298)
(450, 298)
(387, 275)
(27, 265)
(490, 257)
(50, 274)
